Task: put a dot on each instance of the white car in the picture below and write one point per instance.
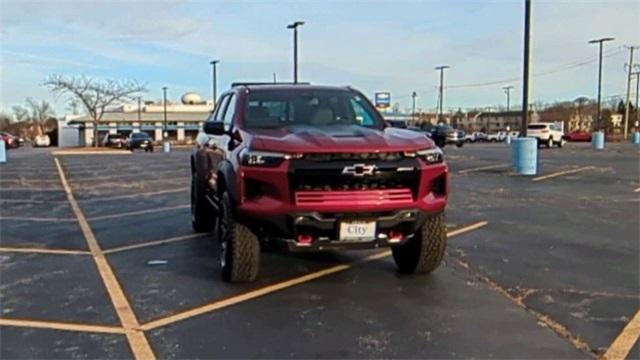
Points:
(546, 133)
(475, 136)
(41, 141)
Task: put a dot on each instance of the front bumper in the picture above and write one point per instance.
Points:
(392, 228)
(272, 209)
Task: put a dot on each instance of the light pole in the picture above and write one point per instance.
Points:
(413, 107)
(139, 110)
(507, 91)
(637, 75)
(441, 68)
(525, 70)
(599, 42)
(295, 26)
(164, 102)
(214, 82)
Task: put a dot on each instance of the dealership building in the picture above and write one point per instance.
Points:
(182, 124)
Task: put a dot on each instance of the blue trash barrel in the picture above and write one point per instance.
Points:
(636, 137)
(166, 146)
(525, 155)
(597, 140)
(508, 139)
(3, 152)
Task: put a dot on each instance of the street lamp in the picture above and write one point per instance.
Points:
(441, 68)
(214, 80)
(413, 108)
(599, 42)
(294, 26)
(164, 129)
(507, 91)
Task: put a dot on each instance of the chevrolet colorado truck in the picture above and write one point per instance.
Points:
(312, 168)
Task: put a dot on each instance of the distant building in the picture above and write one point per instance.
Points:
(580, 122)
(493, 121)
(182, 125)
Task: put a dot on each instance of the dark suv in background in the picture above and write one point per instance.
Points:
(313, 168)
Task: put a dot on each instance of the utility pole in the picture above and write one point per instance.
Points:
(637, 74)
(413, 107)
(441, 68)
(164, 131)
(628, 100)
(295, 26)
(274, 78)
(139, 111)
(599, 42)
(507, 91)
(525, 71)
(214, 82)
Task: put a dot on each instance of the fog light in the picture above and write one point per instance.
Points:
(395, 236)
(305, 240)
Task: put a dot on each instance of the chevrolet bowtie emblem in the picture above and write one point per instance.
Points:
(359, 170)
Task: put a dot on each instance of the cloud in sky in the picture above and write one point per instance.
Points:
(373, 45)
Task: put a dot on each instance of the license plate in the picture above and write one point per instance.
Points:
(143, 145)
(357, 230)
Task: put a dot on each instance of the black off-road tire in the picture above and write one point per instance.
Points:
(203, 218)
(560, 143)
(424, 252)
(549, 143)
(239, 247)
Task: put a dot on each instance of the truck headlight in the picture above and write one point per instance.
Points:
(430, 156)
(264, 158)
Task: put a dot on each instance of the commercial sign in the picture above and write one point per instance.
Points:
(383, 100)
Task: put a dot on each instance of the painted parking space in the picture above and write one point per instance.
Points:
(523, 264)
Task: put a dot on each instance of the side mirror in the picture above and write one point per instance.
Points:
(213, 128)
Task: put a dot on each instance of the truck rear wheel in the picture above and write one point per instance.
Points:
(239, 247)
(424, 252)
(202, 214)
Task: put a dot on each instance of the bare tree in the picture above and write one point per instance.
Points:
(95, 96)
(35, 112)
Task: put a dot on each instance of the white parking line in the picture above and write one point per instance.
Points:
(561, 173)
(498, 166)
(130, 196)
(141, 212)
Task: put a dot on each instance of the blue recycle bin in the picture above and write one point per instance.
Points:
(636, 138)
(166, 146)
(597, 140)
(3, 152)
(525, 155)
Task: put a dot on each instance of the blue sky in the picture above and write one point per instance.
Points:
(372, 45)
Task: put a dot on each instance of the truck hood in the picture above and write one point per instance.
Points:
(337, 138)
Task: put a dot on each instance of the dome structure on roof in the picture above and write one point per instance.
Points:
(191, 98)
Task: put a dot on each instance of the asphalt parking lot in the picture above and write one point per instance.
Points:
(98, 260)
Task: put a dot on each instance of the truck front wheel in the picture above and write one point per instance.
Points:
(239, 247)
(424, 252)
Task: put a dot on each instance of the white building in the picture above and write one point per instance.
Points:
(182, 124)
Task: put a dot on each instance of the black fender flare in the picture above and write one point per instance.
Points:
(227, 176)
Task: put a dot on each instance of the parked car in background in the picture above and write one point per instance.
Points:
(546, 133)
(42, 141)
(114, 140)
(514, 134)
(455, 137)
(578, 135)
(140, 140)
(476, 136)
(495, 137)
(440, 134)
(10, 141)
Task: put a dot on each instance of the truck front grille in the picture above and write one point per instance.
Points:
(358, 198)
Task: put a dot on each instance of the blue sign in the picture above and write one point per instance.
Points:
(383, 99)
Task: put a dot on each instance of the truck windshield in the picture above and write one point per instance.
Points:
(280, 108)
